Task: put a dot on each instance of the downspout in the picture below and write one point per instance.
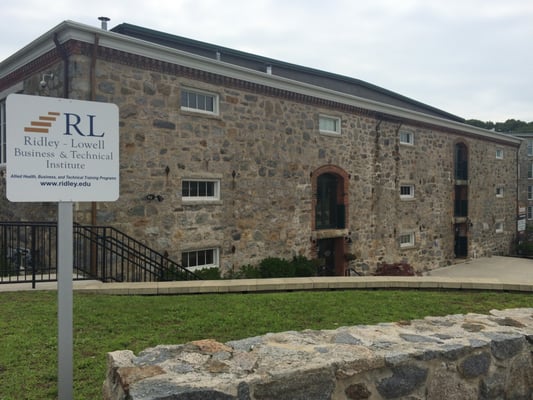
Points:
(92, 98)
(64, 55)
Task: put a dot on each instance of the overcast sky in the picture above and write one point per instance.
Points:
(472, 58)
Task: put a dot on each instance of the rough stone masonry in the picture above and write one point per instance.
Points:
(456, 357)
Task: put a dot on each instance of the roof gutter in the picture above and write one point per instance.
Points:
(69, 30)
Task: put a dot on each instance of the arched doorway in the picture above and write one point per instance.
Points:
(330, 216)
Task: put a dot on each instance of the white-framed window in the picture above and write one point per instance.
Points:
(499, 154)
(407, 192)
(530, 170)
(200, 189)
(529, 212)
(530, 147)
(407, 137)
(499, 191)
(327, 124)
(199, 101)
(200, 259)
(530, 192)
(499, 226)
(3, 135)
(407, 239)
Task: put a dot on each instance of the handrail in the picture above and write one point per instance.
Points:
(28, 250)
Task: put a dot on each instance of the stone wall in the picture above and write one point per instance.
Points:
(264, 147)
(459, 357)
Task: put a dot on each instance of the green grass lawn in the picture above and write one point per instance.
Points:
(102, 323)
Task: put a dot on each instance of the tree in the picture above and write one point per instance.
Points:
(510, 126)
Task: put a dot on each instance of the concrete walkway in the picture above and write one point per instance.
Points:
(493, 273)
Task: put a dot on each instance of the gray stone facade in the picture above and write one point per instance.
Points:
(266, 150)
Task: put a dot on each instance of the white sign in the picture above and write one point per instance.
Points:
(61, 150)
(521, 225)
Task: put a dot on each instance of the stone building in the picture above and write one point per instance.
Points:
(228, 158)
(525, 176)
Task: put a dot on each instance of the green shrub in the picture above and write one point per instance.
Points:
(244, 272)
(525, 249)
(274, 267)
(303, 266)
(209, 274)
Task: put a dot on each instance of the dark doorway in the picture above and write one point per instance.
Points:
(331, 256)
(326, 254)
(461, 241)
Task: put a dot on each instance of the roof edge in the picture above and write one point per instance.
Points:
(70, 30)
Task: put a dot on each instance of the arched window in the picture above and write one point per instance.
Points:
(330, 188)
(461, 162)
(327, 208)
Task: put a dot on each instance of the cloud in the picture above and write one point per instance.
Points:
(471, 58)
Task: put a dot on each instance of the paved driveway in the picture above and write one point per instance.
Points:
(504, 268)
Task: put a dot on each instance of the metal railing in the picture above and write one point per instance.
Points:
(111, 255)
(28, 253)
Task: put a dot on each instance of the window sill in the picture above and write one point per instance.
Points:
(202, 202)
(200, 113)
(330, 133)
(329, 233)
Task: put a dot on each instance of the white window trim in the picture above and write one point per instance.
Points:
(530, 147)
(215, 96)
(411, 137)
(203, 199)
(499, 226)
(499, 154)
(530, 170)
(410, 243)
(530, 212)
(337, 120)
(411, 194)
(216, 259)
(530, 192)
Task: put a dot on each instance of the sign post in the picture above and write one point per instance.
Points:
(65, 325)
(61, 150)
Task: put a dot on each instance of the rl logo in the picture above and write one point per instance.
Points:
(72, 123)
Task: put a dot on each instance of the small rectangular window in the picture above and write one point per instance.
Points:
(530, 147)
(329, 124)
(407, 138)
(407, 239)
(499, 154)
(499, 227)
(499, 191)
(529, 212)
(198, 190)
(193, 100)
(530, 170)
(407, 192)
(530, 192)
(199, 259)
